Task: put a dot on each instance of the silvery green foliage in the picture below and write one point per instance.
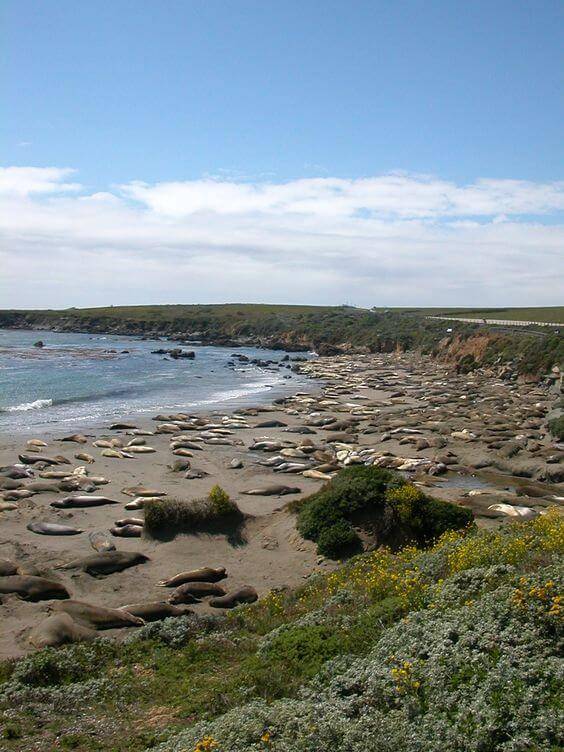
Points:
(481, 678)
(176, 630)
(322, 616)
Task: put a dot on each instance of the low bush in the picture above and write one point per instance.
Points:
(171, 516)
(556, 427)
(338, 539)
(391, 510)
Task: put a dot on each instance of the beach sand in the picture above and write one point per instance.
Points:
(272, 554)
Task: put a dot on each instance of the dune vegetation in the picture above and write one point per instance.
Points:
(455, 646)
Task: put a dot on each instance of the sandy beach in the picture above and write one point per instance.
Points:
(474, 439)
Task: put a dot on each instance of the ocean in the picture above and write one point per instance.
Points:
(86, 379)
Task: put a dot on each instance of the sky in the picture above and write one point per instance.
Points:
(373, 153)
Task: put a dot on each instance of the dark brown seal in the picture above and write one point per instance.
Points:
(185, 593)
(246, 594)
(99, 617)
(107, 562)
(204, 574)
(33, 588)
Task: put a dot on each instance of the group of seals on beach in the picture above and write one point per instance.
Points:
(395, 412)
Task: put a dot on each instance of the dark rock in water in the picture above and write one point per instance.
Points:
(39, 343)
(175, 353)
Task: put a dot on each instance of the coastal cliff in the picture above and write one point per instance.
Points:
(325, 330)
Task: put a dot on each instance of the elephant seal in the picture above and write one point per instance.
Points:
(85, 457)
(107, 562)
(272, 491)
(140, 502)
(78, 438)
(155, 611)
(142, 491)
(271, 424)
(11, 484)
(7, 568)
(204, 574)
(40, 486)
(6, 506)
(59, 629)
(14, 472)
(52, 528)
(101, 541)
(80, 502)
(33, 588)
(99, 617)
(246, 594)
(17, 494)
(127, 531)
(130, 521)
(189, 590)
(31, 459)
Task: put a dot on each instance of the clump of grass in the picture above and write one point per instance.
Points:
(380, 502)
(164, 517)
(556, 427)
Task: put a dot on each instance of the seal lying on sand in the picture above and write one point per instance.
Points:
(33, 588)
(101, 541)
(52, 528)
(272, 491)
(190, 590)
(204, 574)
(246, 594)
(59, 629)
(155, 611)
(31, 459)
(142, 491)
(107, 562)
(127, 531)
(99, 617)
(80, 502)
(7, 568)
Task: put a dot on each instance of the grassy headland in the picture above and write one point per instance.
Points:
(325, 329)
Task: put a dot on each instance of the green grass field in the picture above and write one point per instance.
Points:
(548, 314)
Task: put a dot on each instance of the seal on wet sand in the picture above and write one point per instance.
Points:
(204, 574)
(246, 594)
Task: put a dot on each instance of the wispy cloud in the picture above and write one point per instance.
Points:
(392, 239)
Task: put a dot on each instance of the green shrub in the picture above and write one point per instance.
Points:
(381, 502)
(171, 516)
(556, 427)
(338, 539)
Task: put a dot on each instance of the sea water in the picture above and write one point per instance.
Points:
(81, 379)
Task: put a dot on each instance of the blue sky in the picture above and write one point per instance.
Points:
(153, 102)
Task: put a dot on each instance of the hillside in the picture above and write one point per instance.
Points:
(326, 330)
(454, 647)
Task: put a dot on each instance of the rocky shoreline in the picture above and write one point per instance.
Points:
(475, 439)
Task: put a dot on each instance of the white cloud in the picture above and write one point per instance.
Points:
(23, 181)
(388, 240)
